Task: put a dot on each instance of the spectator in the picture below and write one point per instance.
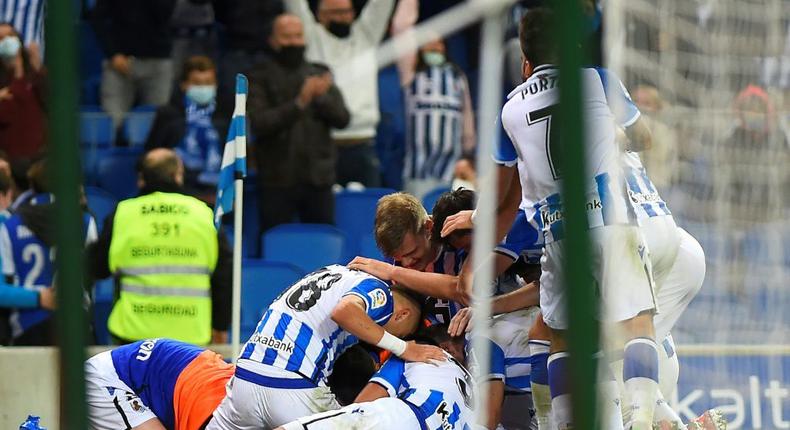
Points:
(755, 161)
(136, 38)
(14, 296)
(292, 105)
(661, 160)
(440, 129)
(247, 25)
(27, 249)
(22, 111)
(191, 125)
(172, 268)
(194, 33)
(28, 18)
(346, 46)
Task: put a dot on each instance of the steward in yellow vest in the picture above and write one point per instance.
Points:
(162, 248)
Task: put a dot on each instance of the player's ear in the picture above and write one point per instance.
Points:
(526, 68)
(428, 226)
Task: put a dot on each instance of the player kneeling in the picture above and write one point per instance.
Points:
(154, 384)
(407, 396)
(283, 369)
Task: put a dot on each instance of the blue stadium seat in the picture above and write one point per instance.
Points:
(307, 246)
(117, 173)
(261, 282)
(368, 248)
(355, 212)
(137, 125)
(96, 129)
(101, 203)
(430, 199)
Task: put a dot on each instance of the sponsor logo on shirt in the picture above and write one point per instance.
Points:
(281, 345)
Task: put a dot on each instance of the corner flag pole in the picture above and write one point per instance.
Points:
(240, 112)
(230, 195)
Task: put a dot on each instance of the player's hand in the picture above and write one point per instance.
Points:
(47, 299)
(461, 323)
(379, 269)
(459, 221)
(423, 353)
(121, 64)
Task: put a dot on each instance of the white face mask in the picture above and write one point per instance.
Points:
(9, 47)
(432, 58)
(202, 94)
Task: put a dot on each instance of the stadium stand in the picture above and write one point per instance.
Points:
(354, 214)
(261, 282)
(307, 246)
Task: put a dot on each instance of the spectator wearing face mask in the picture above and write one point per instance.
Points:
(22, 114)
(292, 105)
(755, 160)
(191, 126)
(345, 43)
(440, 129)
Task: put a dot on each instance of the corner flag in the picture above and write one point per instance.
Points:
(234, 157)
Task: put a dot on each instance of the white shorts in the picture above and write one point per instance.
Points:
(248, 406)
(663, 240)
(112, 405)
(681, 284)
(621, 269)
(381, 414)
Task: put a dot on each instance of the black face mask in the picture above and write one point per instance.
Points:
(339, 29)
(290, 56)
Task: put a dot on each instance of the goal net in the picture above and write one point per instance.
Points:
(712, 79)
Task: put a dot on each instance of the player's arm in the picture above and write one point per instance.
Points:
(496, 396)
(638, 136)
(385, 383)
(435, 285)
(351, 314)
(371, 392)
(522, 298)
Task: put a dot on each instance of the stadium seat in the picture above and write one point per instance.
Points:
(430, 199)
(355, 212)
(307, 246)
(101, 203)
(368, 248)
(137, 125)
(96, 129)
(261, 282)
(117, 173)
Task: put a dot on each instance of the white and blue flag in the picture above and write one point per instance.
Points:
(234, 158)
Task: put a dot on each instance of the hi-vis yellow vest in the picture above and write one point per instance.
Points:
(163, 251)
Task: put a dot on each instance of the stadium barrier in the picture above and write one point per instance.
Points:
(750, 384)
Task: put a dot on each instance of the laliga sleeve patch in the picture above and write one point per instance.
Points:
(378, 298)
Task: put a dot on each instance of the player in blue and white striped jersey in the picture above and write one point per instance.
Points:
(407, 396)
(282, 370)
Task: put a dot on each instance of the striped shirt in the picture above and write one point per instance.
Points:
(440, 394)
(27, 18)
(435, 102)
(643, 194)
(531, 125)
(297, 334)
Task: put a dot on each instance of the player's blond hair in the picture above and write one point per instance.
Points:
(397, 215)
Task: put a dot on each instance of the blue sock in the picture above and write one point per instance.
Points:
(539, 355)
(560, 387)
(640, 375)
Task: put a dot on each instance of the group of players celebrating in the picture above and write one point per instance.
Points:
(373, 345)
